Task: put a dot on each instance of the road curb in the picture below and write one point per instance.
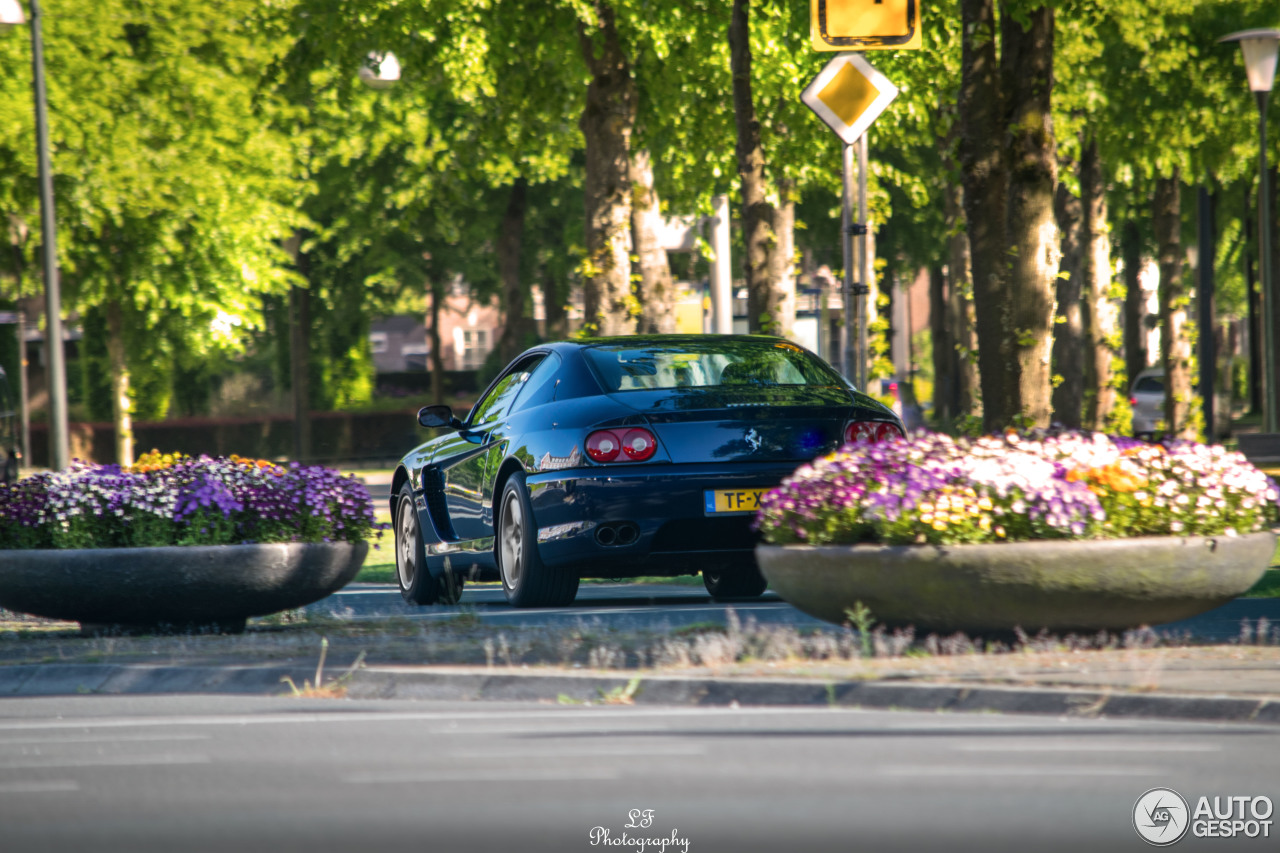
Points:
(119, 679)
(424, 683)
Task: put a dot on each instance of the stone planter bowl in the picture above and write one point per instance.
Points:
(1093, 585)
(202, 588)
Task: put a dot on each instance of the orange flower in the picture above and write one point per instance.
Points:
(1107, 478)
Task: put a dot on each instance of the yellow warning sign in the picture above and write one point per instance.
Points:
(849, 94)
(865, 24)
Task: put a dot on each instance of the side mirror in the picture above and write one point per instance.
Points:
(435, 417)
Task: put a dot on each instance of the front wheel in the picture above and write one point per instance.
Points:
(417, 585)
(737, 581)
(526, 580)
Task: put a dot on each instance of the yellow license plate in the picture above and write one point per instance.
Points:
(723, 501)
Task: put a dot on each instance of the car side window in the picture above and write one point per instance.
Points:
(1150, 385)
(496, 403)
(539, 388)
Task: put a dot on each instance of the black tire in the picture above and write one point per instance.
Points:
(526, 580)
(417, 584)
(737, 580)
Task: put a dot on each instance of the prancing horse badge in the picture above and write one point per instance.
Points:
(753, 439)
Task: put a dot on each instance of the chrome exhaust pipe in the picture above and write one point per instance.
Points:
(606, 535)
(627, 533)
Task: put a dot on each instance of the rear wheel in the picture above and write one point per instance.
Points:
(526, 580)
(742, 580)
(417, 584)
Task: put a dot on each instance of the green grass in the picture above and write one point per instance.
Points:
(1268, 587)
(379, 567)
(678, 580)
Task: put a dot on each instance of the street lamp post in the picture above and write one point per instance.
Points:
(59, 443)
(1260, 49)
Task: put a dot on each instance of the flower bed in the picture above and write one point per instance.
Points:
(931, 489)
(172, 499)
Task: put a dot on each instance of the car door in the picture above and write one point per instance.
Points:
(463, 458)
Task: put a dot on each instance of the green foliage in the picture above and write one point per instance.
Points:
(191, 140)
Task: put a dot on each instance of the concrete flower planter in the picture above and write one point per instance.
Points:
(201, 588)
(1094, 585)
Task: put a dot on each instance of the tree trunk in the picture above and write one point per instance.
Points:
(1100, 316)
(510, 242)
(553, 302)
(300, 367)
(1027, 63)
(656, 288)
(960, 311)
(944, 352)
(436, 343)
(764, 299)
(1175, 348)
(1068, 332)
(984, 178)
(782, 266)
(1135, 310)
(607, 122)
(121, 402)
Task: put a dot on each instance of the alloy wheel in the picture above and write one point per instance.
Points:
(407, 545)
(512, 540)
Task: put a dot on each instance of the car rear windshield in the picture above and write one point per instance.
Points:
(1149, 385)
(710, 364)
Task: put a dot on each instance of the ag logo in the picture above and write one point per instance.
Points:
(1161, 817)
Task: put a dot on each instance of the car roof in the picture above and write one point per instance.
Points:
(641, 340)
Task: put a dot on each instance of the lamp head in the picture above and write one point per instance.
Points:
(11, 15)
(379, 70)
(1260, 48)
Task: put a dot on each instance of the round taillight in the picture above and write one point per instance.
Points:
(859, 431)
(603, 445)
(639, 444)
(887, 432)
(872, 432)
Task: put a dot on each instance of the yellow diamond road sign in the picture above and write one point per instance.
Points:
(865, 24)
(849, 95)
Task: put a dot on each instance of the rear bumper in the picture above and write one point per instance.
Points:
(666, 504)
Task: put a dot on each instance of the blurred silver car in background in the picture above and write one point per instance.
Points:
(1146, 398)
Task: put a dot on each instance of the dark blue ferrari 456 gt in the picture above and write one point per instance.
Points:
(618, 457)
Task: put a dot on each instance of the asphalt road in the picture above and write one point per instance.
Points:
(663, 606)
(211, 773)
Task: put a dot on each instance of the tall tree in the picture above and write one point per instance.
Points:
(764, 299)
(1069, 331)
(1175, 346)
(1100, 311)
(655, 288)
(607, 122)
(1009, 166)
(172, 208)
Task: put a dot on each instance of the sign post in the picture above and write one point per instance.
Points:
(849, 94)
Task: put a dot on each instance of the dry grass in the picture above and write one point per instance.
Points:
(741, 647)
